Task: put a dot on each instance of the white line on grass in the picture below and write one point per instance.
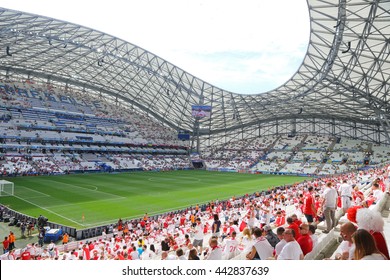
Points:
(95, 187)
(88, 202)
(48, 210)
(163, 179)
(42, 194)
(75, 186)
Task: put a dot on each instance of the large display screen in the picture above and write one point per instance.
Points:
(201, 111)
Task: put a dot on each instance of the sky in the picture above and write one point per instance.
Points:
(246, 46)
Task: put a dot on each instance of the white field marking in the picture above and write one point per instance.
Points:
(162, 179)
(42, 194)
(48, 210)
(82, 203)
(95, 187)
(75, 186)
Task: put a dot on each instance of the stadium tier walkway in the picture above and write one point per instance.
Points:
(386, 217)
(20, 242)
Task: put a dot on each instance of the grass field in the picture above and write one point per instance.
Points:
(103, 198)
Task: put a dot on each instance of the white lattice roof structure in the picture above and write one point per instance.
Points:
(341, 88)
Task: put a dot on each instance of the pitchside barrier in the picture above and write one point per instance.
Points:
(9, 214)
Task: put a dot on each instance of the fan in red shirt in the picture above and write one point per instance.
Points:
(309, 208)
(86, 252)
(119, 256)
(280, 219)
(293, 226)
(296, 220)
(182, 220)
(25, 256)
(5, 245)
(357, 195)
(305, 240)
(95, 255)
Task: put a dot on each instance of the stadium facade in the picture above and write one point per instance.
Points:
(340, 89)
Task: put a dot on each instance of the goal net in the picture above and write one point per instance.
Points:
(6, 188)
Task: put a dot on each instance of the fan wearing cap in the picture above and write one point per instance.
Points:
(305, 240)
(271, 236)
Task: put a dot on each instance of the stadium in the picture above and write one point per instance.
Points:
(89, 122)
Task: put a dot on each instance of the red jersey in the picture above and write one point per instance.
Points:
(381, 243)
(6, 244)
(307, 204)
(182, 220)
(306, 243)
(86, 253)
(295, 227)
(280, 221)
(26, 256)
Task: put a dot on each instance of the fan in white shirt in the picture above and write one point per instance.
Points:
(214, 252)
(230, 248)
(292, 250)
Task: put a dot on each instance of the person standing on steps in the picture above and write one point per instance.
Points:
(329, 206)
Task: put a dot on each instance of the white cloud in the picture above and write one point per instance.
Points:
(242, 46)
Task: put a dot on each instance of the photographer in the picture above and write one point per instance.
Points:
(41, 236)
(42, 221)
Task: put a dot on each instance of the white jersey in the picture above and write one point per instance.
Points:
(330, 196)
(345, 190)
(346, 247)
(248, 244)
(291, 251)
(230, 250)
(263, 248)
(214, 254)
(377, 194)
(314, 238)
(374, 256)
(279, 246)
(198, 232)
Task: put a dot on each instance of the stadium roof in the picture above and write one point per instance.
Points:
(344, 76)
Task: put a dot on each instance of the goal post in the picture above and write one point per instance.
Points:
(6, 188)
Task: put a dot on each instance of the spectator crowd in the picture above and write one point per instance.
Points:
(280, 223)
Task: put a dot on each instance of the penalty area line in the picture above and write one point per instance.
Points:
(48, 210)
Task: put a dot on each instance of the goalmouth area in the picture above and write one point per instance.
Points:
(89, 200)
(6, 188)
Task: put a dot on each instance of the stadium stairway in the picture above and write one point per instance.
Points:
(386, 216)
(383, 207)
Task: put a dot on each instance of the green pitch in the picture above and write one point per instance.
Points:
(88, 200)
